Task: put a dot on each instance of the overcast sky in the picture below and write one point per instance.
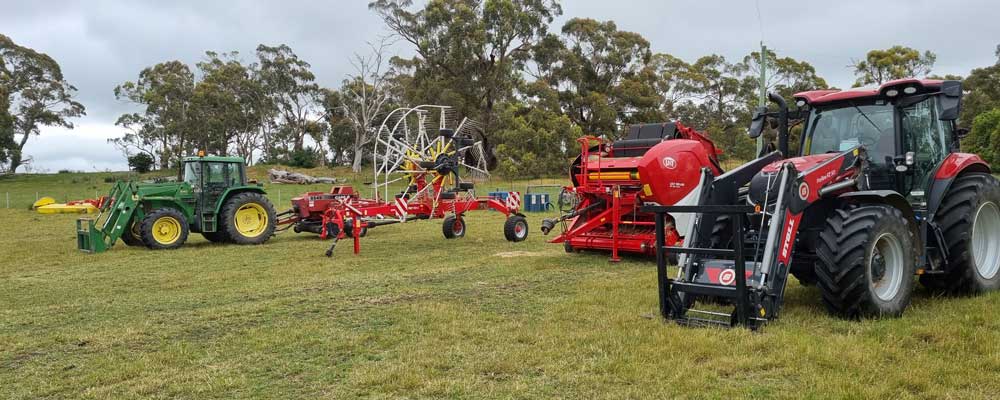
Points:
(102, 43)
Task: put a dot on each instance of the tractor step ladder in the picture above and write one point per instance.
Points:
(116, 214)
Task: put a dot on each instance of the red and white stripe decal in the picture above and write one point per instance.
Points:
(401, 208)
(513, 200)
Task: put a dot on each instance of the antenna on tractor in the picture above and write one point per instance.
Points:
(762, 99)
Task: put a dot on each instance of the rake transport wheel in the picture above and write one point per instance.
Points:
(866, 264)
(248, 218)
(165, 228)
(969, 218)
(453, 227)
(515, 229)
(133, 235)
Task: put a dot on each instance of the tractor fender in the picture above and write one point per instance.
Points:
(950, 168)
(235, 191)
(893, 199)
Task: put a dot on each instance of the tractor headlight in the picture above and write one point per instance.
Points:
(910, 89)
(892, 93)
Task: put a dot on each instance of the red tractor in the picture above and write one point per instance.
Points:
(613, 179)
(877, 194)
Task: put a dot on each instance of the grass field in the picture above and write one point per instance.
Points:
(416, 316)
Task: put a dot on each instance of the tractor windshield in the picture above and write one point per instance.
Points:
(192, 174)
(839, 128)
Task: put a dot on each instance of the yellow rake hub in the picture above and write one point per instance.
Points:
(251, 220)
(166, 230)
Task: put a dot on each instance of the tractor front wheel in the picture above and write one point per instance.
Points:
(133, 235)
(866, 262)
(248, 218)
(453, 227)
(165, 228)
(515, 229)
(969, 218)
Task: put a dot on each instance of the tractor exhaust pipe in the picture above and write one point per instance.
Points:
(782, 122)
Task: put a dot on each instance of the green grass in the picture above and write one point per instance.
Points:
(417, 316)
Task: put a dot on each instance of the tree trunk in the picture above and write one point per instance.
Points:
(358, 157)
(16, 157)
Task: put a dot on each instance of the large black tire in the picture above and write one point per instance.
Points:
(255, 222)
(165, 228)
(453, 227)
(216, 237)
(349, 230)
(515, 229)
(866, 262)
(969, 211)
(132, 236)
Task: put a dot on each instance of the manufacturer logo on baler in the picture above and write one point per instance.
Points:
(669, 163)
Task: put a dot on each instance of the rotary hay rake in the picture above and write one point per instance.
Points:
(418, 156)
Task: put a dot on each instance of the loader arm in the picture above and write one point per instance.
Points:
(751, 278)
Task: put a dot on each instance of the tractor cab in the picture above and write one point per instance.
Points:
(907, 128)
(210, 178)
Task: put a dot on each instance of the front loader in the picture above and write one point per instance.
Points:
(878, 193)
(214, 199)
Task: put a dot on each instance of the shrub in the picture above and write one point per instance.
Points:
(305, 158)
(141, 163)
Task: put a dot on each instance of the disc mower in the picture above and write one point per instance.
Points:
(214, 199)
(611, 180)
(878, 193)
(423, 173)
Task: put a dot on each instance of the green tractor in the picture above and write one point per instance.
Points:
(214, 199)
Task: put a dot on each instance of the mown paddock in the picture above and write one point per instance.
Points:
(417, 316)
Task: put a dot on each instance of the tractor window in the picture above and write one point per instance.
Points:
(233, 174)
(215, 173)
(833, 130)
(925, 138)
(192, 174)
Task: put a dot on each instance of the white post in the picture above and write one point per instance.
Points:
(8, 199)
(279, 197)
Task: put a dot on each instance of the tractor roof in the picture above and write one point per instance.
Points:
(827, 96)
(214, 158)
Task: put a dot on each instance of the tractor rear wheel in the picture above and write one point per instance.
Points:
(165, 228)
(515, 229)
(866, 262)
(248, 218)
(969, 218)
(133, 235)
(453, 227)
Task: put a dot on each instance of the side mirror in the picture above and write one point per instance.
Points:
(961, 132)
(757, 123)
(950, 100)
